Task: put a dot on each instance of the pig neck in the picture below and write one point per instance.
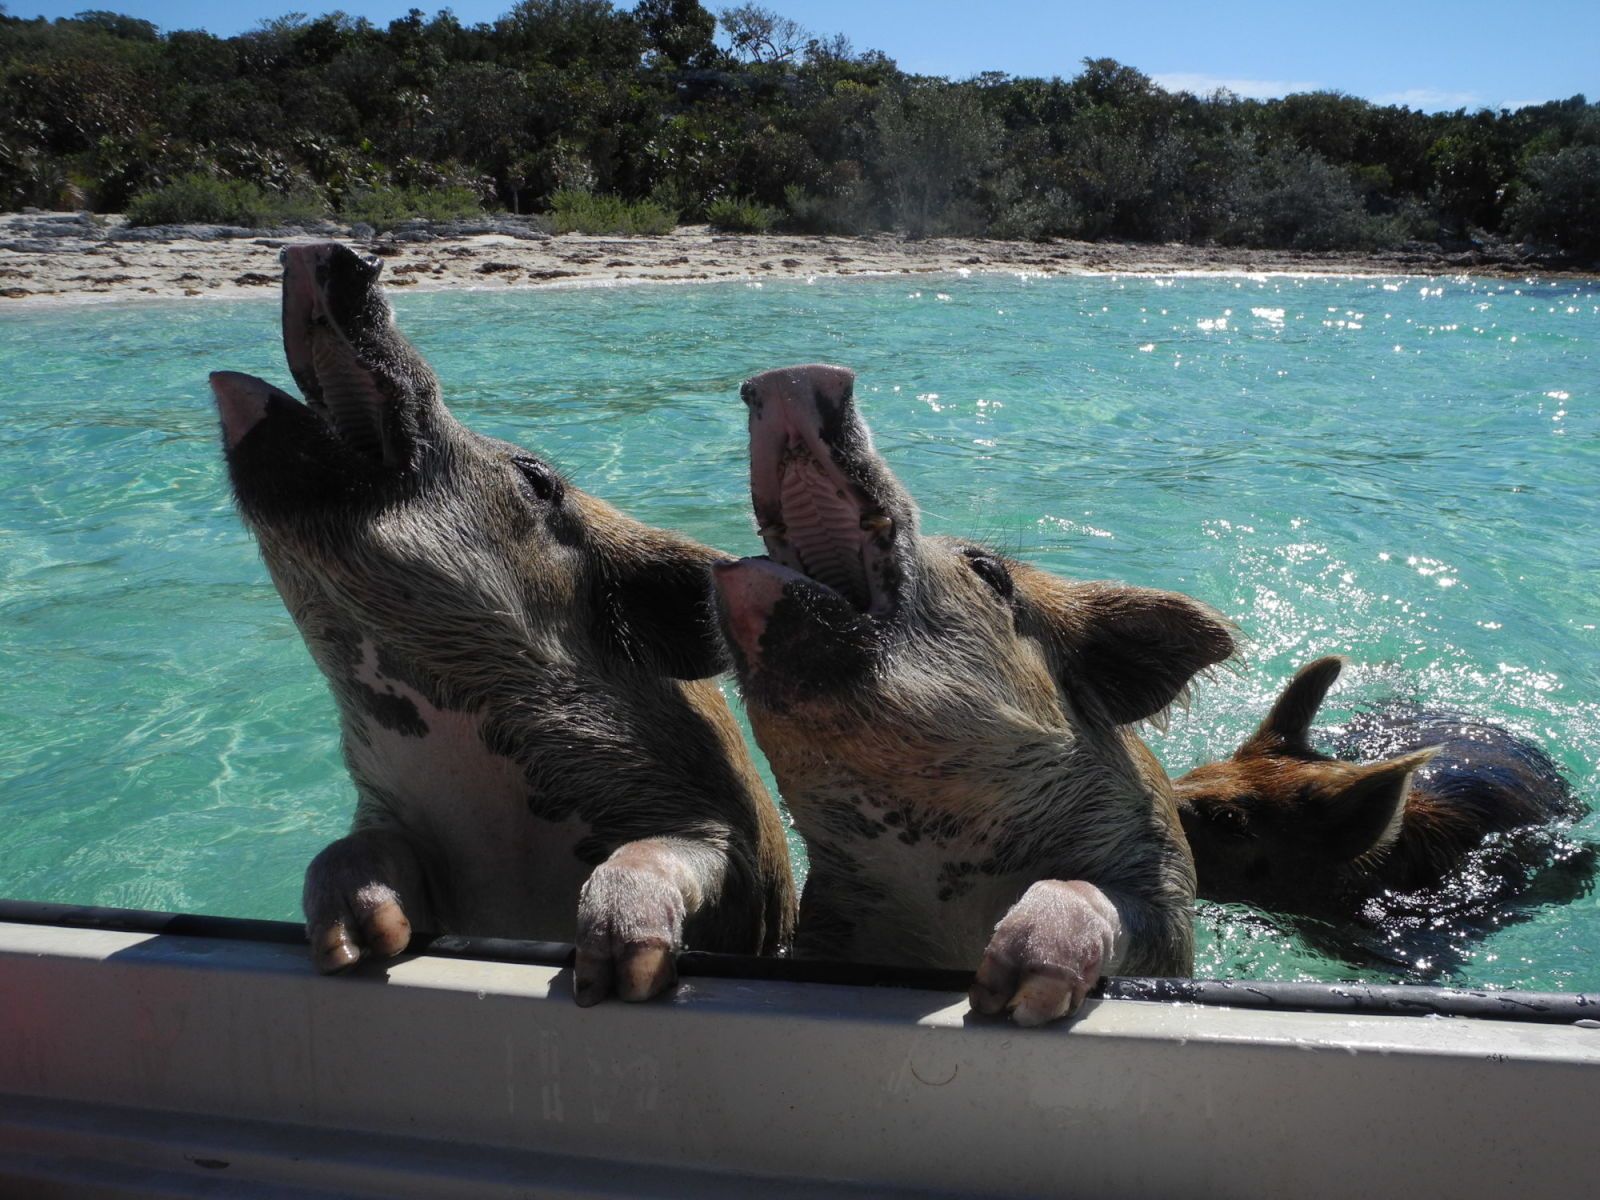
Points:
(915, 865)
(508, 780)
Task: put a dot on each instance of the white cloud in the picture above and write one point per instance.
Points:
(1251, 89)
(1432, 99)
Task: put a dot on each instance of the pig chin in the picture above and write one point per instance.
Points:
(792, 637)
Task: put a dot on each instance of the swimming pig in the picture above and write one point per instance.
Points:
(948, 726)
(521, 671)
(1286, 828)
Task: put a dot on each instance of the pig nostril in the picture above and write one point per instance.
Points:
(373, 264)
(876, 523)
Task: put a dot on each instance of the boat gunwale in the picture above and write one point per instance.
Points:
(1553, 1008)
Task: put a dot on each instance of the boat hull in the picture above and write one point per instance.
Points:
(173, 1065)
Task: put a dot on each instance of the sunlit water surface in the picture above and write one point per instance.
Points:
(1406, 471)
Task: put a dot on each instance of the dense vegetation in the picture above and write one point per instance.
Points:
(635, 118)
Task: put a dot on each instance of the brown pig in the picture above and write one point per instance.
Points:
(1284, 827)
(950, 727)
(522, 672)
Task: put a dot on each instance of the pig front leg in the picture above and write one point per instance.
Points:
(631, 914)
(362, 896)
(1048, 951)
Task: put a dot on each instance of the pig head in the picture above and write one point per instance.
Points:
(1286, 827)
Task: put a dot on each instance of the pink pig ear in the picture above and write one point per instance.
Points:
(1363, 812)
(1288, 725)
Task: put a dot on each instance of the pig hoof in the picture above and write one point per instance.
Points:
(1046, 953)
(352, 912)
(630, 926)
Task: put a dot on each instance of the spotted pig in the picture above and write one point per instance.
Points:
(522, 672)
(950, 727)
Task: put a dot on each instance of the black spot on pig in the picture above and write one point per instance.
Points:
(394, 712)
(956, 879)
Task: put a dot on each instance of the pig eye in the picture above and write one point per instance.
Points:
(1229, 823)
(989, 569)
(544, 482)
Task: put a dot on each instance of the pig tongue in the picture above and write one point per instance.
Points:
(822, 534)
(348, 393)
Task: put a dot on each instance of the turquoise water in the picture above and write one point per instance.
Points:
(1405, 470)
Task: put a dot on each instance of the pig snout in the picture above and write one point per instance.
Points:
(814, 389)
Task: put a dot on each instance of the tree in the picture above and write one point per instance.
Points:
(117, 25)
(574, 35)
(1106, 81)
(1561, 208)
(934, 141)
(760, 35)
(1470, 174)
(678, 32)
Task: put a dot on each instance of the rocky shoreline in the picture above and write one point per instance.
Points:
(75, 257)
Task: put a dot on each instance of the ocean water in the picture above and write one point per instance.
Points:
(1406, 471)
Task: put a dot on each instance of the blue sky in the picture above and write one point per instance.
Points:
(1429, 55)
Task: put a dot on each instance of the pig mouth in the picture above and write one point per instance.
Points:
(814, 519)
(330, 299)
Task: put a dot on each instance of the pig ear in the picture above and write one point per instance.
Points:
(1363, 812)
(1288, 725)
(1135, 649)
(654, 607)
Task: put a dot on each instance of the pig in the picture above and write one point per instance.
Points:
(950, 727)
(1284, 827)
(523, 674)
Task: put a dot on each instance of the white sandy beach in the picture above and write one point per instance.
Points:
(51, 258)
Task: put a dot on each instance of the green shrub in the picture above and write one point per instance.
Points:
(203, 200)
(584, 212)
(1297, 199)
(846, 211)
(1034, 217)
(385, 207)
(1562, 207)
(735, 215)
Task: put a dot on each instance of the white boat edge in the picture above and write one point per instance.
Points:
(140, 1064)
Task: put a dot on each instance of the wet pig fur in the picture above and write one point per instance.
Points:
(950, 728)
(522, 672)
(1285, 827)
